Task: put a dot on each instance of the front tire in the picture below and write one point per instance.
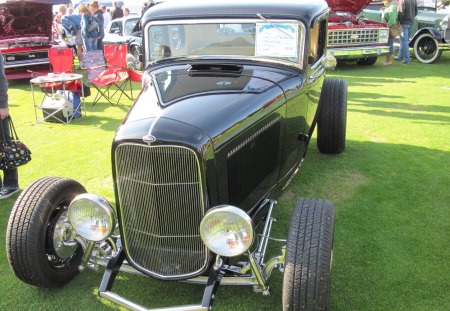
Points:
(367, 61)
(39, 246)
(426, 49)
(332, 119)
(306, 283)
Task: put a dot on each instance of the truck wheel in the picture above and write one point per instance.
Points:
(426, 49)
(306, 283)
(332, 119)
(40, 243)
(367, 61)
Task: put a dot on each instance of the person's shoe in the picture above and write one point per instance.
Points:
(387, 63)
(406, 63)
(398, 59)
(7, 192)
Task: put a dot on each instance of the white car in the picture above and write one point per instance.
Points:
(120, 31)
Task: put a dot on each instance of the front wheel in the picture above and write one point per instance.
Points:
(426, 49)
(306, 282)
(40, 242)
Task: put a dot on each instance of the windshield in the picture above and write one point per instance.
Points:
(426, 3)
(129, 26)
(280, 41)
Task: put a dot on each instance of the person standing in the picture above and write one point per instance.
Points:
(10, 183)
(117, 12)
(390, 17)
(72, 23)
(407, 11)
(106, 16)
(98, 13)
(89, 28)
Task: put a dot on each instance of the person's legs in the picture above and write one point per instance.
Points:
(405, 44)
(79, 45)
(391, 51)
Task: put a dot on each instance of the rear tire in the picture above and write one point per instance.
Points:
(332, 119)
(38, 216)
(306, 283)
(368, 61)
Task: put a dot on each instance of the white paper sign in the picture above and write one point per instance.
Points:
(276, 40)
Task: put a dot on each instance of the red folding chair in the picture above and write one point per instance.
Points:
(61, 60)
(110, 77)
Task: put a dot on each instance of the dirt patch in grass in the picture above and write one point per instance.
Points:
(341, 187)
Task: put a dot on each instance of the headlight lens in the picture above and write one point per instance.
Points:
(227, 230)
(384, 35)
(91, 216)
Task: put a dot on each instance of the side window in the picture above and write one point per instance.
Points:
(317, 41)
(116, 28)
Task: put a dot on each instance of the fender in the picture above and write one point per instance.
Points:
(432, 31)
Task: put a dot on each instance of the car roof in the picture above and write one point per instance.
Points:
(304, 10)
(134, 16)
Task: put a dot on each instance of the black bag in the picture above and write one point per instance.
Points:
(13, 152)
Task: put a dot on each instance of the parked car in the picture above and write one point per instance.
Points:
(26, 36)
(429, 34)
(351, 38)
(122, 31)
(220, 128)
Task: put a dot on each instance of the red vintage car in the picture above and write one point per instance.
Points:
(26, 36)
(350, 37)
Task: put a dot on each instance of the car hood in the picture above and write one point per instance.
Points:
(202, 100)
(351, 6)
(26, 23)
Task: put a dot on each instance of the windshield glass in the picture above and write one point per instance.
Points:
(426, 3)
(280, 41)
(129, 26)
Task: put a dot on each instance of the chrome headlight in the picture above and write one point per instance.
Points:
(227, 230)
(384, 36)
(92, 217)
(444, 23)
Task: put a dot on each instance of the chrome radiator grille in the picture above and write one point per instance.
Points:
(161, 206)
(352, 37)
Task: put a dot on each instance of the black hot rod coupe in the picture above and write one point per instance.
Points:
(231, 94)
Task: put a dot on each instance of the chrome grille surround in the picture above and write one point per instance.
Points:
(349, 37)
(161, 205)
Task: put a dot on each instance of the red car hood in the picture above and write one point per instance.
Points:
(351, 6)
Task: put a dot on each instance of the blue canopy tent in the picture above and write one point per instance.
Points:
(108, 3)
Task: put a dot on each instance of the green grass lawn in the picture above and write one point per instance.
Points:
(391, 189)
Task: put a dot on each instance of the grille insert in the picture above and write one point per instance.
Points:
(161, 207)
(352, 37)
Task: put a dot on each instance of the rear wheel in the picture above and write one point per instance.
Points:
(367, 61)
(40, 242)
(332, 119)
(426, 49)
(306, 283)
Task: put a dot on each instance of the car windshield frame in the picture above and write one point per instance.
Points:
(276, 26)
